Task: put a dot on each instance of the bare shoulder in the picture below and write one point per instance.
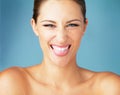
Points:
(109, 83)
(12, 81)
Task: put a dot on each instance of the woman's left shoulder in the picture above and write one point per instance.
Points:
(108, 75)
(109, 83)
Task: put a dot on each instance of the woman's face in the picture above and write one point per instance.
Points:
(60, 27)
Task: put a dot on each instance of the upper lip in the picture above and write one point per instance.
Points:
(60, 46)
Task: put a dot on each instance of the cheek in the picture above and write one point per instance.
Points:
(43, 41)
(77, 39)
(45, 37)
(77, 35)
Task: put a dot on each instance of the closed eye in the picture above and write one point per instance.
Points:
(49, 25)
(73, 25)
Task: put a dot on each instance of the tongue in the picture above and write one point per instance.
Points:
(60, 52)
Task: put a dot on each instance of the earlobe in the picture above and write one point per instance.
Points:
(86, 21)
(33, 24)
(85, 24)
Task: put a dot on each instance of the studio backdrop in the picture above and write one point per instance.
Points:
(99, 49)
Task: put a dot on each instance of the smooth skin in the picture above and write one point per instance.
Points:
(58, 25)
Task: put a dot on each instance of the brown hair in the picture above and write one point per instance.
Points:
(37, 4)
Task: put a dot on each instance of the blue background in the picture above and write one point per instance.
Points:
(100, 47)
(0, 31)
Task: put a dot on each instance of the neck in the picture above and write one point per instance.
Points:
(57, 75)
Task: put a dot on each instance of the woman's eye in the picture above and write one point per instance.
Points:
(72, 25)
(49, 25)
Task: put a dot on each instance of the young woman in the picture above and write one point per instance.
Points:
(60, 26)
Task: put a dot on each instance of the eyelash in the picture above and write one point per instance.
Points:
(72, 25)
(49, 25)
(53, 26)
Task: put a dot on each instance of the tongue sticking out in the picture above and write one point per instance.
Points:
(60, 51)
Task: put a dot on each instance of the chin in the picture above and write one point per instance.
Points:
(61, 62)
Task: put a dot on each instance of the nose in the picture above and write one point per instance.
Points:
(61, 36)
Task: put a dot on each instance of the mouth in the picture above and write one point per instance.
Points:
(60, 50)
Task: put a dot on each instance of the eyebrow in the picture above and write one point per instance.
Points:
(48, 21)
(67, 21)
(74, 20)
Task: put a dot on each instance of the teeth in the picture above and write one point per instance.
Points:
(62, 49)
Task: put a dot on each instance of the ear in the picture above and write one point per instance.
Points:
(34, 27)
(85, 25)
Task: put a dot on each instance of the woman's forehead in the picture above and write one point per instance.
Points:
(60, 8)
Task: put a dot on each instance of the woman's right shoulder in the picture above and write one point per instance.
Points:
(12, 72)
(12, 80)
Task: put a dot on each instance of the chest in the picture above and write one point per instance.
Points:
(38, 88)
(49, 91)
